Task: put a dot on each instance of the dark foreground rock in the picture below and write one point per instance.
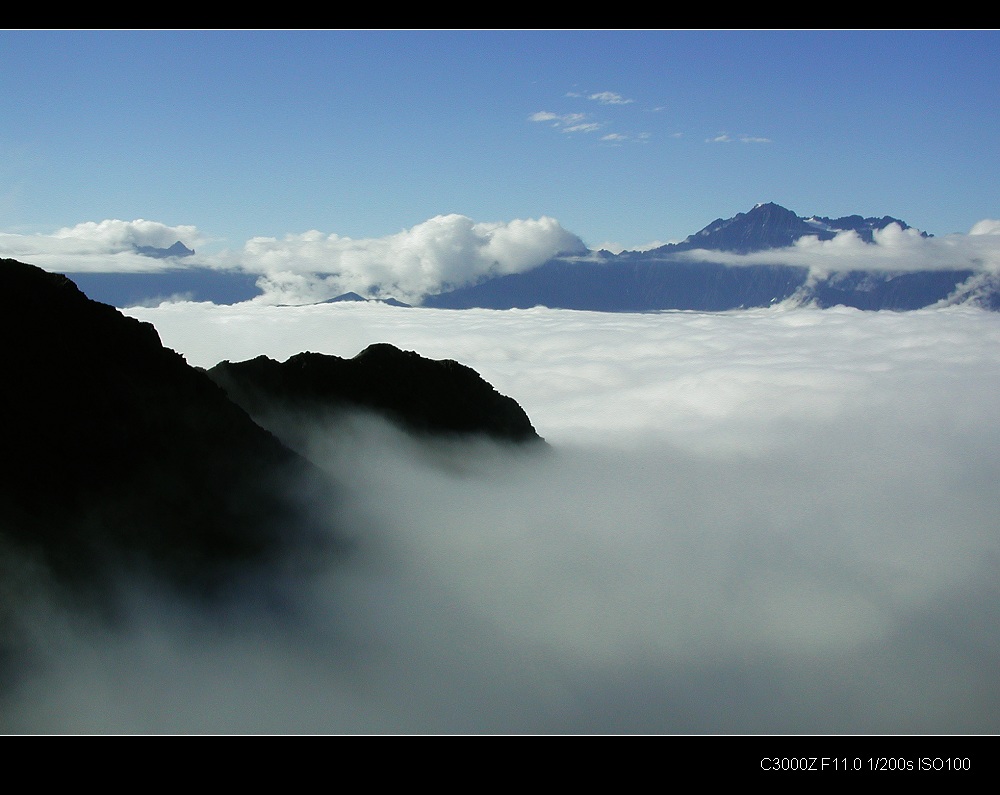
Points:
(424, 396)
(118, 455)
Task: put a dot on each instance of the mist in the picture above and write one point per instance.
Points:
(764, 522)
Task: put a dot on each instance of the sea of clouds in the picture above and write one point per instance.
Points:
(769, 521)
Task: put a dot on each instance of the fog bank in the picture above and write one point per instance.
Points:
(753, 522)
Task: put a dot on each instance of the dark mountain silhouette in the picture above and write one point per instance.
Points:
(425, 396)
(122, 464)
(662, 278)
(118, 453)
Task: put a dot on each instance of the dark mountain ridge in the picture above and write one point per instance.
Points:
(117, 452)
(119, 456)
(430, 397)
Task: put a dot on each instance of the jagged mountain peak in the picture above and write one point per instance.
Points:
(178, 249)
(769, 225)
(766, 225)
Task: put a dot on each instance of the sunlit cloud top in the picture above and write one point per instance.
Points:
(445, 251)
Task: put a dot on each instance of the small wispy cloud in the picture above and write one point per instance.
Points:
(544, 115)
(567, 122)
(584, 123)
(610, 98)
(725, 138)
(617, 138)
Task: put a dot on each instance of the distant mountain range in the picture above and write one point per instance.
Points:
(663, 278)
(772, 226)
(633, 281)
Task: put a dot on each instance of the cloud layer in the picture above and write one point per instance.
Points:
(893, 249)
(772, 521)
(99, 247)
(442, 252)
(445, 251)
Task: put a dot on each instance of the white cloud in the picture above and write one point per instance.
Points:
(122, 235)
(448, 250)
(604, 97)
(567, 122)
(725, 138)
(987, 226)
(892, 249)
(618, 138)
(577, 122)
(762, 522)
(610, 98)
(102, 246)
(585, 128)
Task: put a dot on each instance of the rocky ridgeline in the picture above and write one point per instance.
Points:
(117, 452)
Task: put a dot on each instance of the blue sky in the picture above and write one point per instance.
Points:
(626, 138)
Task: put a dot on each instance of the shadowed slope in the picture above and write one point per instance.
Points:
(116, 450)
(439, 397)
